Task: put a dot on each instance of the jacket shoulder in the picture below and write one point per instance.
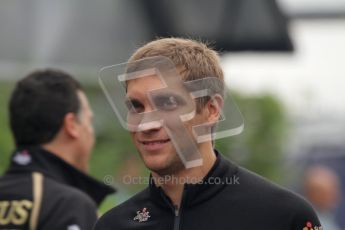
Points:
(253, 184)
(63, 192)
(278, 200)
(65, 206)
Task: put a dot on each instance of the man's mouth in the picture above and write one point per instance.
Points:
(154, 144)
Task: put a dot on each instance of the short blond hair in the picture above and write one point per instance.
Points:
(195, 60)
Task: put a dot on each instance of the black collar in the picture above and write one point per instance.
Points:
(39, 160)
(194, 194)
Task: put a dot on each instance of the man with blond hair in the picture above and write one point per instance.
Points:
(199, 196)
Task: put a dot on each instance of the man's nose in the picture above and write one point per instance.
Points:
(150, 121)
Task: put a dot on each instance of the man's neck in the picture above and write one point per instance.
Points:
(65, 153)
(174, 187)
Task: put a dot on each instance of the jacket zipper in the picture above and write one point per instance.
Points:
(177, 219)
(176, 210)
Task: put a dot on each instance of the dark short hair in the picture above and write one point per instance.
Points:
(39, 103)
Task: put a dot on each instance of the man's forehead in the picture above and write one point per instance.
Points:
(138, 74)
(143, 84)
(150, 79)
(176, 72)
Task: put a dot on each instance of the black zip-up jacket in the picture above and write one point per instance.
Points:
(40, 191)
(230, 198)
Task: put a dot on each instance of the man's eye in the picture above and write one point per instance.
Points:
(134, 106)
(166, 103)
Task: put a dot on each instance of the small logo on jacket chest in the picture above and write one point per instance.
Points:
(309, 226)
(142, 216)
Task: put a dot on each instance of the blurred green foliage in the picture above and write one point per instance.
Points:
(6, 143)
(259, 148)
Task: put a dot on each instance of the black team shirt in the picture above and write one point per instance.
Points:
(230, 198)
(40, 191)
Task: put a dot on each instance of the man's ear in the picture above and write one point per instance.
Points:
(214, 107)
(70, 125)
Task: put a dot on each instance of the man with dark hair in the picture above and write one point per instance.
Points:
(216, 194)
(46, 185)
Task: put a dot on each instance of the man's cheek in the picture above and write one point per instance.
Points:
(132, 135)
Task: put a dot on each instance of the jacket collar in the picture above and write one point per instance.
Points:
(39, 160)
(194, 194)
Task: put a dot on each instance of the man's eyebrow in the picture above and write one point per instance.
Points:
(133, 96)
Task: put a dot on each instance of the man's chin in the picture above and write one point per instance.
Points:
(165, 167)
(155, 165)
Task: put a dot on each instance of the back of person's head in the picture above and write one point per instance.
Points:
(193, 59)
(38, 105)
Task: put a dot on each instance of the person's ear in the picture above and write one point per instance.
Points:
(214, 107)
(70, 125)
